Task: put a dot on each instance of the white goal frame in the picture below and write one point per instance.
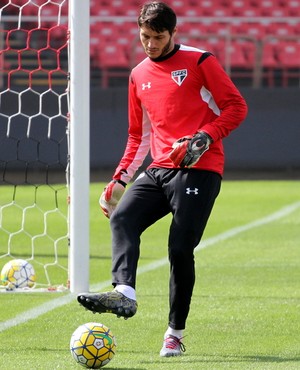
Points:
(79, 67)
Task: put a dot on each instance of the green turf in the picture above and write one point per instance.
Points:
(245, 308)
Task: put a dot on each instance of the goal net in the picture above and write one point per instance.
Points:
(34, 140)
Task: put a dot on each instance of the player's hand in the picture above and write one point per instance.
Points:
(179, 150)
(188, 150)
(111, 195)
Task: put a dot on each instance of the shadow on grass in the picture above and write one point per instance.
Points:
(125, 368)
(271, 359)
(63, 350)
(223, 359)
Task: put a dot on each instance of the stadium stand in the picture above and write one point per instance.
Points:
(257, 41)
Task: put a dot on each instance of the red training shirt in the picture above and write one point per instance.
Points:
(177, 95)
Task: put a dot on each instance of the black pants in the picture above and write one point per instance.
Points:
(189, 195)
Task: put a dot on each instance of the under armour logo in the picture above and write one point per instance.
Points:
(192, 191)
(146, 86)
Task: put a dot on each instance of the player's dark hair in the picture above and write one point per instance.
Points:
(158, 16)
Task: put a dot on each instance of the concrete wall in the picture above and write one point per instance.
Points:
(268, 140)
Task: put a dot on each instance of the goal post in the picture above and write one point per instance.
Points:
(79, 145)
(44, 140)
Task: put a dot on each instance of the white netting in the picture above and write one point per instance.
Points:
(33, 136)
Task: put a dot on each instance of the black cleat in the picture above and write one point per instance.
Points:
(109, 302)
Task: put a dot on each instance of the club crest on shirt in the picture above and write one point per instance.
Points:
(179, 76)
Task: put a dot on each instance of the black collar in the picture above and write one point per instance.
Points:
(167, 56)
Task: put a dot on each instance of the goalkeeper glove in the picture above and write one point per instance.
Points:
(111, 195)
(188, 149)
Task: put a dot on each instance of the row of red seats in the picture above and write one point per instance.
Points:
(241, 53)
(214, 8)
(257, 30)
(106, 35)
(203, 3)
(271, 55)
(112, 48)
(114, 31)
(207, 12)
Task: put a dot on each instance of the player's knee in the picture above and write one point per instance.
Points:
(117, 218)
(121, 220)
(185, 240)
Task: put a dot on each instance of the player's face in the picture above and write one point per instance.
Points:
(156, 44)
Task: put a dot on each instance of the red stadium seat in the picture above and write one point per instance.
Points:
(193, 11)
(233, 56)
(101, 10)
(289, 54)
(281, 29)
(247, 11)
(269, 55)
(95, 42)
(137, 54)
(257, 3)
(192, 29)
(221, 29)
(113, 62)
(112, 56)
(125, 39)
(292, 6)
(289, 60)
(274, 11)
(243, 8)
(180, 7)
(221, 12)
(238, 59)
(256, 30)
(129, 11)
(269, 61)
(108, 31)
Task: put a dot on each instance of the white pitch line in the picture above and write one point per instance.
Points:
(285, 211)
(61, 301)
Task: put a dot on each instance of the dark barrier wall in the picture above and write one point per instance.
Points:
(269, 139)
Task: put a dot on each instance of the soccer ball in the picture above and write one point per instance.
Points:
(18, 273)
(93, 345)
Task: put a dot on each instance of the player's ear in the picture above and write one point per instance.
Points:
(174, 32)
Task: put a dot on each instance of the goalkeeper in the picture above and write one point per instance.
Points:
(181, 105)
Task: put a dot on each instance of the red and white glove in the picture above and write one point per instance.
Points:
(188, 149)
(179, 150)
(111, 195)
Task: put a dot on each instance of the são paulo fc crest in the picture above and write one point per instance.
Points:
(179, 76)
